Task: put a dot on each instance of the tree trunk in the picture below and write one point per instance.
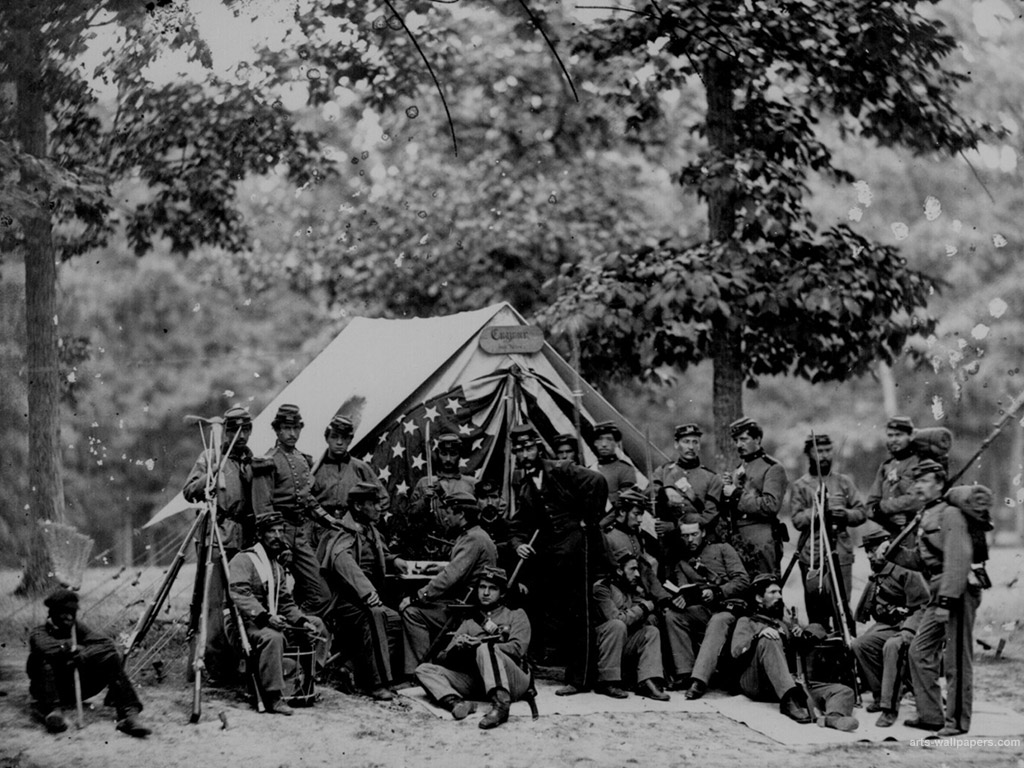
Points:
(727, 353)
(46, 486)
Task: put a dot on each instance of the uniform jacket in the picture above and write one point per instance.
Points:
(747, 627)
(762, 489)
(251, 594)
(54, 646)
(618, 542)
(615, 602)
(890, 502)
(234, 496)
(945, 551)
(448, 482)
(802, 499)
(471, 552)
(896, 596)
(282, 481)
(569, 497)
(718, 566)
(617, 474)
(514, 622)
(701, 489)
(334, 478)
(357, 553)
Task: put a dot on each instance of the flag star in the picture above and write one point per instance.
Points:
(402, 488)
(382, 439)
(397, 450)
(464, 429)
(368, 458)
(384, 474)
(418, 461)
(477, 444)
(453, 404)
(410, 427)
(463, 463)
(431, 413)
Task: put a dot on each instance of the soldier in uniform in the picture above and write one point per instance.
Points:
(355, 560)
(760, 643)
(424, 614)
(754, 494)
(627, 632)
(422, 532)
(235, 520)
(283, 483)
(339, 471)
(894, 598)
(707, 622)
(494, 520)
(487, 654)
(945, 551)
(272, 619)
(618, 474)
(566, 448)
(891, 501)
(62, 645)
(842, 510)
(562, 504)
(685, 487)
(622, 536)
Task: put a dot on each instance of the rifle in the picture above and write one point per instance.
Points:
(429, 449)
(79, 712)
(801, 672)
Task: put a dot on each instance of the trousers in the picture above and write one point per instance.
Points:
(486, 669)
(767, 676)
(882, 657)
(51, 682)
(702, 629)
(616, 645)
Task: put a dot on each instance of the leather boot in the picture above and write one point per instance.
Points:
(650, 689)
(458, 706)
(794, 706)
(501, 700)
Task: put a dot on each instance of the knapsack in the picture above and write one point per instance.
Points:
(933, 443)
(975, 503)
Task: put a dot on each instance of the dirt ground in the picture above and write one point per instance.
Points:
(350, 731)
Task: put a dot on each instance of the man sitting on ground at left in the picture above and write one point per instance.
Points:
(62, 645)
(486, 655)
(272, 619)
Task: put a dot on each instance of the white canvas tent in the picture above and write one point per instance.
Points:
(376, 371)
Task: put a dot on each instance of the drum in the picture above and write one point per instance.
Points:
(299, 676)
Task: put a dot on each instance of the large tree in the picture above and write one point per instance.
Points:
(767, 289)
(176, 149)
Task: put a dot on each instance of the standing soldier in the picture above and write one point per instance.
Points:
(891, 501)
(421, 532)
(355, 561)
(754, 494)
(424, 614)
(685, 487)
(842, 510)
(617, 473)
(707, 622)
(339, 471)
(282, 483)
(487, 654)
(945, 551)
(894, 598)
(560, 504)
(234, 518)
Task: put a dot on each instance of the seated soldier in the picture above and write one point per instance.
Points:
(717, 568)
(355, 560)
(486, 655)
(425, 613)
(62, 645)
(494, 520)
(895, 598)
(272, 619)
(628, 632)
(760, 643)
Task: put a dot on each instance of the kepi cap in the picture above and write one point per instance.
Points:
(607, 428)
(364, 490)
(62, 599)
(287, 415)
(523, 436)
(494, 575)
(744, 424)
(237, 417)
(927, 467)
(687, 430)
(340, 425)
(900, 423)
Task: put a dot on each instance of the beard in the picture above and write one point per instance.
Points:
(776, 611)
(822, 467)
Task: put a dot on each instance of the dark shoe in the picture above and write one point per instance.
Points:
(697, 689)
(793, 707)
(845, 723)
(498, 713)
(886, 719)
(874, 706)
(567, 690)
(133, 726)
(946, 733)
(679, 683)
(280, 707)
(55, 722)
(611, 690)
(381, 694)
(916, 722)
(650, 689)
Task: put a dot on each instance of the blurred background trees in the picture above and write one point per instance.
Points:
(316, 177)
